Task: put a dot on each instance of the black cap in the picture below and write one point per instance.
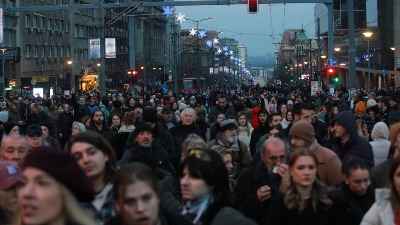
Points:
(33, 129)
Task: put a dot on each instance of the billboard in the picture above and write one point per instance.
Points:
(111, 52)
(94, 48)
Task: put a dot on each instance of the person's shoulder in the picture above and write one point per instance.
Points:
(228, 215)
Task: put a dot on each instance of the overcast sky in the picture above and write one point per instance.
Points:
(256, 31)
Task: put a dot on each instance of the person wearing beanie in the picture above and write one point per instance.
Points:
(96, 157)
(347, 142)
(329, 166)
(371, 103)
(161, 136)
(146, 150)
(380, 144)
(228, 140)
(360, 109)
(10, 128)
(57, 202)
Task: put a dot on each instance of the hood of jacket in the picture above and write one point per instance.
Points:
(347, 120)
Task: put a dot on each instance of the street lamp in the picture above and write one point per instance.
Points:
(3, 72)
(392, 48)
(336, 49)
(197, 71)
(368, 34)
(69, 62)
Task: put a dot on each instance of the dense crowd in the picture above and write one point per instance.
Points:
(256, 155)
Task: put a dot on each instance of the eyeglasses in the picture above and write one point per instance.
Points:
(199, 154)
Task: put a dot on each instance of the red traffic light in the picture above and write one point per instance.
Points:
(331, 71)
(133, 73)
(252, 6)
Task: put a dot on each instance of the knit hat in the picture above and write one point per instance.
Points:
(370, 103)
(303, 130)
(380, 131)
(360, 107)
(62, 167)
(149, 115)
(182, 106)
(227, 124)
(290, 102)
(8, 126)
(10, 174)
(140, 128)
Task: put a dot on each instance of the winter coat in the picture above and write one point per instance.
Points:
(279, 214)
(381, 212)
(38, 118)
(380, 174)
(180, 132)
(257, 133)
(167, 217)
(64, 124)
(230, 216)
(380, 148)
(351, 207)
(228, 111)
(356, 145)
(119, 140)
(245, 195)
(240, 155)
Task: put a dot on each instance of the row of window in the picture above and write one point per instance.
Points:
(40, 22)
(32, 51)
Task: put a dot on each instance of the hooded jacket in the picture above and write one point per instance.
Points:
(356, 145)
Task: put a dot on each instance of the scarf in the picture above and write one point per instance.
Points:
(193, 210)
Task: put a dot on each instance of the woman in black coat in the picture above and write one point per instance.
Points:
(355, 195)
(302, 199)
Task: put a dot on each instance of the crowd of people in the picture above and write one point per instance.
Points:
(268, 156)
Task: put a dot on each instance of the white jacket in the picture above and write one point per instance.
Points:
(381, 212)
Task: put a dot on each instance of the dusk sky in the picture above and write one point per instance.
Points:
(252, 30)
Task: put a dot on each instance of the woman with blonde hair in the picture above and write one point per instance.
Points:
(192, 142)
(49, 192)
(303, 199)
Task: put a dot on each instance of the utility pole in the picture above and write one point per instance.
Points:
(352, 50)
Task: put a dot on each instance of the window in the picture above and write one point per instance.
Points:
(61, 26)
(27, 20)
(67, 27)
(35, 51)
(68, 51)
(41, 22)
(34, 21)
(50, 48)
(55, 51)
(28, 51)
(43, 51)
(61, 51)
(49, 23)
(55, 25)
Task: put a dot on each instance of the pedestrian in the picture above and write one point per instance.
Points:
(97, 159)
(205, 190)
(50, 193)
(302, 199)
(136, 182)
(386, 209)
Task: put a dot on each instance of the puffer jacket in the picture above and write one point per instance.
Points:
(381, 212)
(356, 145)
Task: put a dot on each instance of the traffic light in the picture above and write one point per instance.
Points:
(331, 71)
(133, 74)
(335, 79)
(252, 6)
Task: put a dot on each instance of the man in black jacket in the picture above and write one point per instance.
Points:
(256, 185)
(64, 124)
(347, 141)
(262, 129)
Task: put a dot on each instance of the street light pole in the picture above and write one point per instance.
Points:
(3, 72)
(368, 34)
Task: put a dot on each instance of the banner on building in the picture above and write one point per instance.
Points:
(1, 27)
(94, 48)
(314, 88)
(111, 50)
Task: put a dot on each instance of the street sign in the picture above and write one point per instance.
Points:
(165, 89)
(332, 61)
(384, 72)
(41, 79)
